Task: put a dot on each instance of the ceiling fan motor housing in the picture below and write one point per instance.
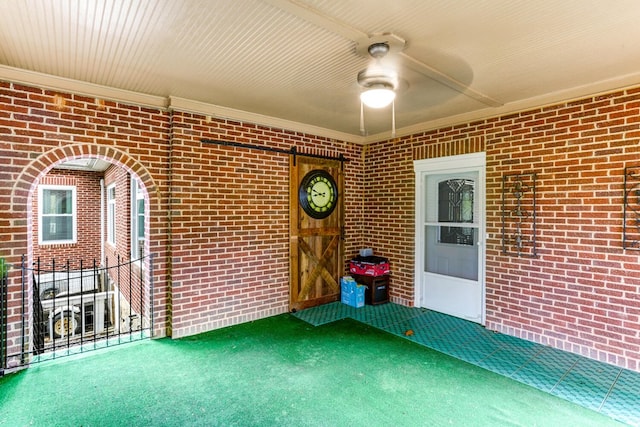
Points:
(378, 77)
(378, 50)
(394, 44)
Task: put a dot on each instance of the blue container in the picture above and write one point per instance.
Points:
(351, 292)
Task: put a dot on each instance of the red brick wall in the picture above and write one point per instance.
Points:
(388, 201)
(36, 132)
(228, 235)
(87, 247)
(230, 220)
(582, 292)
(218, 215)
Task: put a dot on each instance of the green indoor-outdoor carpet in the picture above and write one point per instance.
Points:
(278, 371)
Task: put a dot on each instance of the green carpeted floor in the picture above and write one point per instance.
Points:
(278, 371)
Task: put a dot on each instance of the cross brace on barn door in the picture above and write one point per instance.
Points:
(293, 151)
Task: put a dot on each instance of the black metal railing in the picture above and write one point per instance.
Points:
(4, 297)
(39, 330)
(74, 310)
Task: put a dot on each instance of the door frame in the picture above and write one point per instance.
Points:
(452, 164)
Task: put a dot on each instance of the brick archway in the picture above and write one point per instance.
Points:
(27, 182)
(32, 173)
(21, 199)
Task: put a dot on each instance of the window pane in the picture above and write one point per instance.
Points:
(140, 226)
(457, 235)
(111, 227)
(455, 200)
(459, 260)
(140, 248)
(111, 214)
(455, 204)
(57, 228)
(140, 205)
(57, 202)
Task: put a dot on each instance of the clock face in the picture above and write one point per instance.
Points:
(318, 194)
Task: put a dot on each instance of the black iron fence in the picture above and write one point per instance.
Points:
(4, 292)
(68, 310)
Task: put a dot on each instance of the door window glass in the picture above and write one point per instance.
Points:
(455, 204)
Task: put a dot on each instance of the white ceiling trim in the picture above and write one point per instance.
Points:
(54, 83)
(210, 110)
(62, 84)
(549, 99)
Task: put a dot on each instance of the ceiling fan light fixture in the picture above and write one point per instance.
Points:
(378, 82)
(377, 97)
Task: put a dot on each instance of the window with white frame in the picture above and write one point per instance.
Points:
(137, 220)
(57, 214)
(111, 214)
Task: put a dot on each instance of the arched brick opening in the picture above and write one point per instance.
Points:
(21, 202)
(31, 174)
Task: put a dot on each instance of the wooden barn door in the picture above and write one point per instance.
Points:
(315, 244)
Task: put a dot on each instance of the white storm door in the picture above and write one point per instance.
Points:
(450, 236)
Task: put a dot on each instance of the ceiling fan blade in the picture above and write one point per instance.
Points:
(444, 79)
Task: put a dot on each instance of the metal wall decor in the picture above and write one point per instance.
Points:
(519, 215)
(631, 224)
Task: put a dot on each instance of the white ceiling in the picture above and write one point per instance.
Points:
(85, 164)
(294, 63)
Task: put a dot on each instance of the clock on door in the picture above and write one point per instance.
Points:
(318, 194)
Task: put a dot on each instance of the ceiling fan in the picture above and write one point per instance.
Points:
(380, 79)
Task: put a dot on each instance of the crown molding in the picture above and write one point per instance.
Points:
(47, 81)
(554, 98)
(32, 78)
(211, 110)
(62, 84)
